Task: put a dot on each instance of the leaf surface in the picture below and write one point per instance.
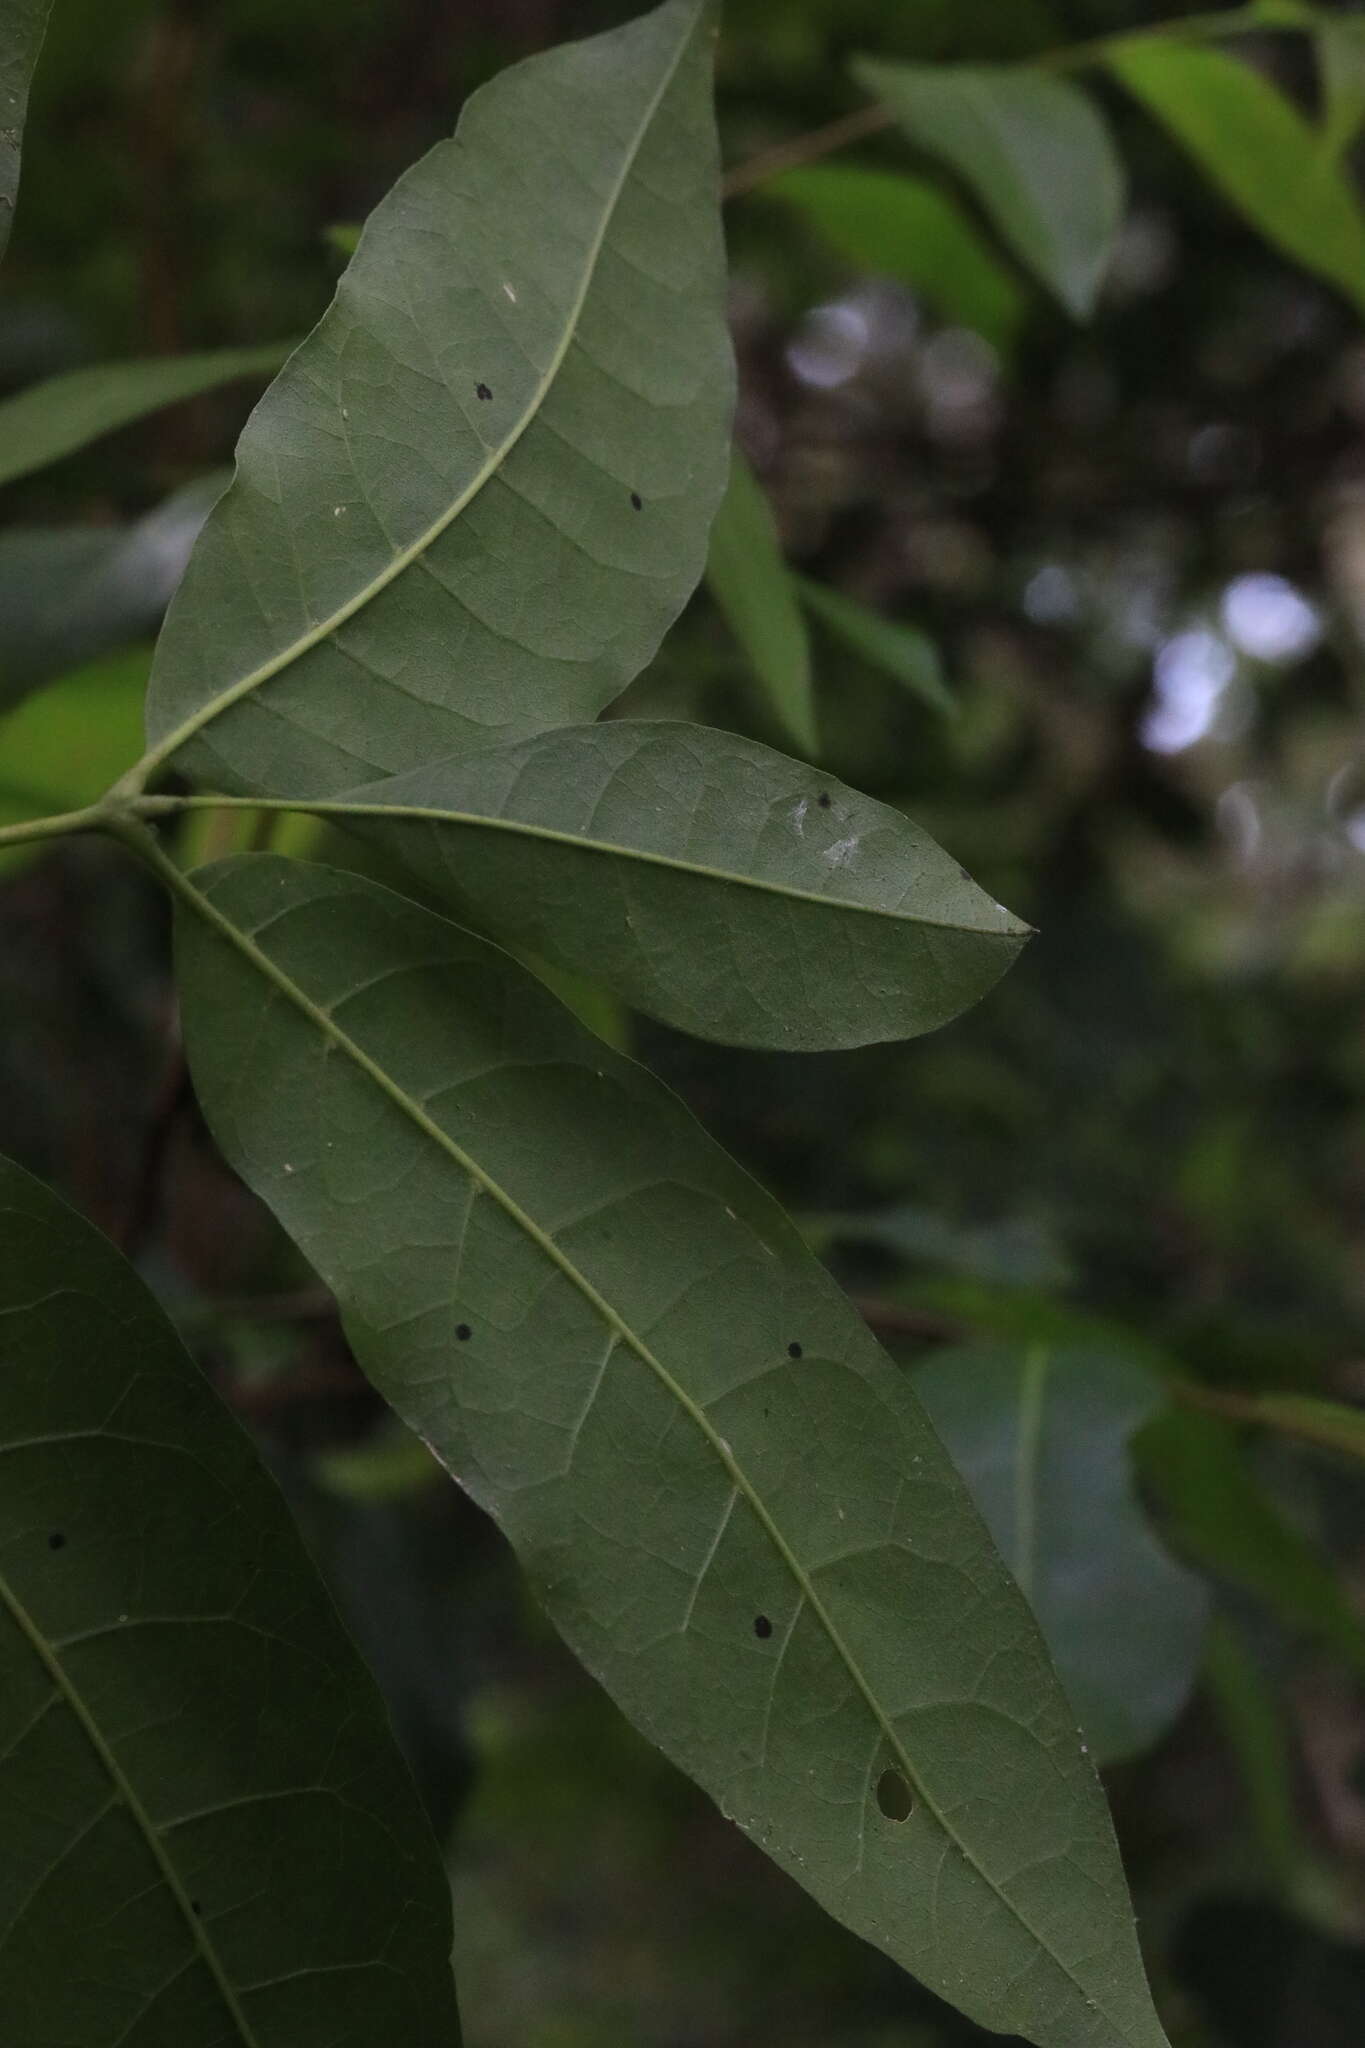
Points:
(70, 594)
(206, 1833)
(1035, 151)
(707, 880)
(1041, 1435)
(478, 493)
(902, 652)
(54, 418)
(23, 24)
(1256, 148)
(726, 1495)
(905, 228)
(749, 580)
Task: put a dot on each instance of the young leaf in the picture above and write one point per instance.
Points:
(905, 228)
(54, 418)
(478, 494)
(1041, 1437)
(726, 1495)
(23, 23)
(748, 578)
(1341, 69)
(905, 654)
(705, 879)
(66, 746)
(206, 1833)
(1035, 151)
(1256, 148)
(70, 594)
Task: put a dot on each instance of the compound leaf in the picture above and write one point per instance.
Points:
(728, 1498)
(207, 1836)
(479, 492)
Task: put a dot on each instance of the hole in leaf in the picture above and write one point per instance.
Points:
(793, 1350)
(894, 1798)
(463, 1332)
(56, 1541)
(482, 391)
(763, 1628)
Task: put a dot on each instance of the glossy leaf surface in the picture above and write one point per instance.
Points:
(1041, 1434)
(479, 492)
(22, 26)
(1257, 149)
(728, 1498)
(707, 880)
(54, 418)
(1034, 150)
(206, 1833)
(749, 580)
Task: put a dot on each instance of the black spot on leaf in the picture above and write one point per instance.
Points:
(793, 1349)
(763, 1628)
(482, 391)
(196, 1909)
(56, 1541)
(894, 1798)
(823, 799)
(637, 501)
(463, 1332)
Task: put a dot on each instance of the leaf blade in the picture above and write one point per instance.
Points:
(750, 582)
(1034, 149)
(54, 418)
(149, 1564)
(22, 29)
(478, 494)
(503, 1156)
(1255, 148)
(902, 652)
(690, 871)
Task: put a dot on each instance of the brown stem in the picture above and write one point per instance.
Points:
(804, 149)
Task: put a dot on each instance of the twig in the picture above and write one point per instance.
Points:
(804, 149)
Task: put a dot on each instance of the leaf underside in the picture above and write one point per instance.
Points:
(708, 881)
(208, 1835)
(728, 1499)
(22, 27)
(478, 494)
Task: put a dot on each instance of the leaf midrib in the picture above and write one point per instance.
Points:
(126, 1794)
(608, 848)
(241, 942)
(493, 461)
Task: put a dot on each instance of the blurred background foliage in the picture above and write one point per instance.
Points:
(1088, 600)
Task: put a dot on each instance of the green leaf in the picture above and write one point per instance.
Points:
(726, 1495)
(905, 654)
(704, 879)
(905, 228)
(1041, 1437)
(1016, 1251)
(478, 494)
(71, 594)
(1034, 150)
(1256, 149)
(1341, 69)
(206, 1833)
(65, 747)
(749, 580)
(53, 418)
(23, 24)
(1221, 1517)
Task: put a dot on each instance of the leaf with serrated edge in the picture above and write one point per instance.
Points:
(207, 1835)
(23, 24)
(478, 494)
(728, 1498)
(707, 880)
